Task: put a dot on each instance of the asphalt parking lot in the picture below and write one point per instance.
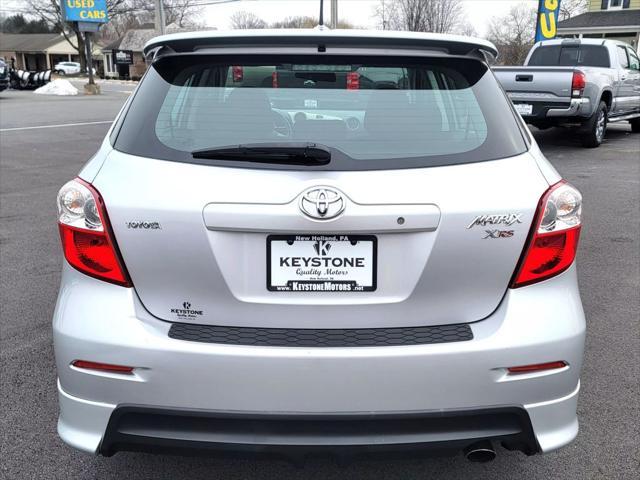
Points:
(36, 159)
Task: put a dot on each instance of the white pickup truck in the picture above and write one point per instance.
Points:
(585, 83)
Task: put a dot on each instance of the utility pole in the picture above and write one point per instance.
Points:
(334, 14)
(159, 20)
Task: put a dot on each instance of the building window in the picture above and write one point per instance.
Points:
(615, 4)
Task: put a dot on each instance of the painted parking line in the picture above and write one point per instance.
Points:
(59, 125)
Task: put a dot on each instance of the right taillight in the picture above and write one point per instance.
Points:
(86, 235)
(553, 241)
(578, 83)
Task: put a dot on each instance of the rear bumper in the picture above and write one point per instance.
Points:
(574, 108)
(100, 322)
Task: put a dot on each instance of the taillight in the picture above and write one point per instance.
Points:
(86, 235)
(353, 81)
(553, 241)
(237, 73)
(578, 83)
(274, 80)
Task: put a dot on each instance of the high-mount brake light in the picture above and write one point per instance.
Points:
(86, 235)
(553, 241)
(578, 82)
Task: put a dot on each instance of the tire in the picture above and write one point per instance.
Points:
(62, 73)
(595, 127)
(635, 125)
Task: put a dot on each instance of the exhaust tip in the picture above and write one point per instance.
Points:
(480, 452)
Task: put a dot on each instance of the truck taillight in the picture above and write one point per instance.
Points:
(353, 81)
(87, 239)
(274, 80)
(578, 83)
(237, 73)
(553, 241)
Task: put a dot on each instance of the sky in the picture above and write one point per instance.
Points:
(358, 12)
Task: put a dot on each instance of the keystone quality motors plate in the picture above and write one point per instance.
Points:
(321, 263)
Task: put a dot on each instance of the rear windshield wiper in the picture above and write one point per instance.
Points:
(283, 153)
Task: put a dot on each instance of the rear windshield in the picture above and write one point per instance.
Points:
(370, 112)
(570, 56)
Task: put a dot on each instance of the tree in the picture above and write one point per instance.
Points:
(571, 8)
(306, 22)
(181, 13)
(139, 13)
(513, 34)
(18, 24)
(50, 12)
(437, 16)
(244, 20)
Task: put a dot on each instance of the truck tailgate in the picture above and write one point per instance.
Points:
(545, 83)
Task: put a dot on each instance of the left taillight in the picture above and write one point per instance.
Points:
(87, 239)
(553, 241)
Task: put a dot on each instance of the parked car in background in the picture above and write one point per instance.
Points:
(68, 68)
(585, 83)
(4, 75)
(304, 240)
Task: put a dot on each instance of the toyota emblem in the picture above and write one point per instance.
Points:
(322, 203)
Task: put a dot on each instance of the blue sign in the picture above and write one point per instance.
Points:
(94, 11)
(547, 25)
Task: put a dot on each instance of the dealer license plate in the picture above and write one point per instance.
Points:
(321, 263)
(523, 108)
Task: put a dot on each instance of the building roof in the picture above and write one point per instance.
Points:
(604, 19)
(28, 42)
(136, 38)
(115, 45)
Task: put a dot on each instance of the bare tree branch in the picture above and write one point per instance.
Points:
(513, 34)
(438, 16)
(244, 20)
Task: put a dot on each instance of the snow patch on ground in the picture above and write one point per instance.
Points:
(57, 87)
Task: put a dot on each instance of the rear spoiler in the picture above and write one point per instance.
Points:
(319, 41)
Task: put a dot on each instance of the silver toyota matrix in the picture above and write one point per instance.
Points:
(318, 241)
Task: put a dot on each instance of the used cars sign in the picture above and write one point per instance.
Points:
(85, 10)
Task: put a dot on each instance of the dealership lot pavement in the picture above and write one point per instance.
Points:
(35, 162)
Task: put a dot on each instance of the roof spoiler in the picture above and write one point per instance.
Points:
(320, 40)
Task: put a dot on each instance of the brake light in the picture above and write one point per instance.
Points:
(553, 241)
(237, 73)
(102, 367)
(353, 81)
(578, 83)
(274, 80)
(87, 239)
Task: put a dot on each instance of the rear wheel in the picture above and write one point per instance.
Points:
(595, 127)
(635, 125)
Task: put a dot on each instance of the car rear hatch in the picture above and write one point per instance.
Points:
(419, 218)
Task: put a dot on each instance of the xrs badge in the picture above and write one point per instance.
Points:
(498, 234)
